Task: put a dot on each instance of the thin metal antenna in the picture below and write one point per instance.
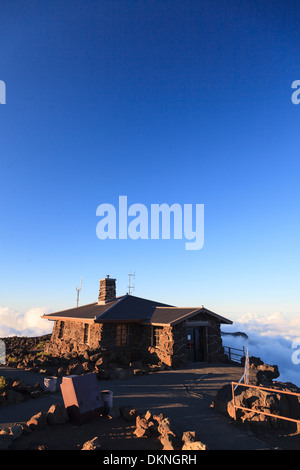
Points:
(130, 287)
(78, 289)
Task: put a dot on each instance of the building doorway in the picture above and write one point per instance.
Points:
(196, 343)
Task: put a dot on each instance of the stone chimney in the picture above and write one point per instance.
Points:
(107, 291)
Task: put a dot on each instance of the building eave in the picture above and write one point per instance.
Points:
(61, 318)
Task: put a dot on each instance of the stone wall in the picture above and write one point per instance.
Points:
(170, 348)
(215, 346)
(136, 346)
(73, 337)
(162, 351)
(107, 291)
(101, 336)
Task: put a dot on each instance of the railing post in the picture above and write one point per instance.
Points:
(247, 367)
(233, 402)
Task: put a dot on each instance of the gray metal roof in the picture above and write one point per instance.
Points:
(129, 308)
(126, 308)
(173, 315)
(85, 312)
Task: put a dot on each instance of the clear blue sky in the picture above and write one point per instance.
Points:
(163, 101)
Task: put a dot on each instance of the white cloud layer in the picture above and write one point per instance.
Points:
(275, 338)
(29, 323)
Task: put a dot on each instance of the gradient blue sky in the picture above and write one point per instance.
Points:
(163, 101)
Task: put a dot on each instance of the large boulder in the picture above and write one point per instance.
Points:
(168, 436)
(75, 369)
(144, 427)
(260, 400)
(190, 442)
(128, 413)
(57, 414)
(93, 444)
(265, 374)
(38, 421)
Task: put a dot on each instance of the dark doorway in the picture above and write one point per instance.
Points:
(196, 344)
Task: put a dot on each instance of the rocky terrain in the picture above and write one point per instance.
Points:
(15, 391)
(30, 354)
(115, 425)
(271, 402)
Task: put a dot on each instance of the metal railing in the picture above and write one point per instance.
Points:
(234, 356)
(254, 410)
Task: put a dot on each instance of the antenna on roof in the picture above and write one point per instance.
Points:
(78, 289)
(130, 287)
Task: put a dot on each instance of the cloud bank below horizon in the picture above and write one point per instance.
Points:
(30, 323)
(275, 338)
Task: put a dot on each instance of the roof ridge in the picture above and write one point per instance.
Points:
(119, 299)
(187, 308)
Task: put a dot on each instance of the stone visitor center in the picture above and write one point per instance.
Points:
(138, 329)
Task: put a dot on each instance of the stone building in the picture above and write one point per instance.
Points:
(134, 329)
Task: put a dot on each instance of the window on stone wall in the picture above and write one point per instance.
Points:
(86, 333)
(121, 335)
(156, 335)
(61, 329)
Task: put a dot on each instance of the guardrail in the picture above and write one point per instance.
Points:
(239, 384)
(234, 356)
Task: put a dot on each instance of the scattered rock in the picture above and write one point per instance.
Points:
(16, 430)
(191, 443)
(129, 414)
(93, 444)
(37, 421)
(41, 355)
(57, 414)
(266, 373)
(75, 369)
(168, 437)
(40, 447)
(158, 427)
(96, 357)
(144, 428)
(158, 418)
(258, 399)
